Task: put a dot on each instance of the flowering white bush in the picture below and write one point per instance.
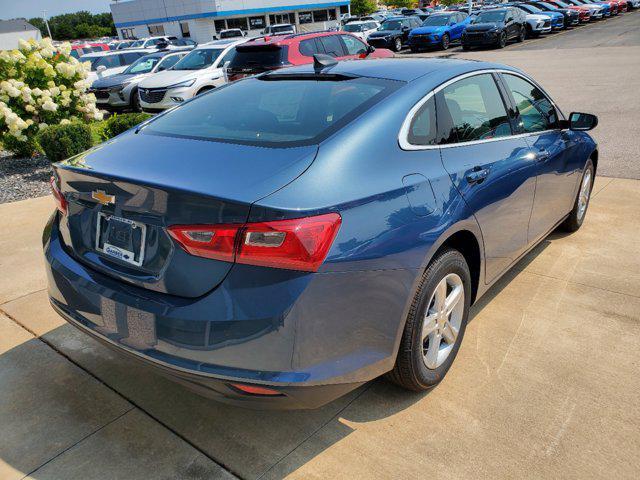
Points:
(41, 85)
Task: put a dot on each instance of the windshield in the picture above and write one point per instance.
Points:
(231, 34)
(530, 8)
(436, 21)
(281, 28)
(198, 59)
(547, 6)
(391, 25)
(563, 4)
(142, 65)
(350, 27)
(273, 111)
(137, 43)
(109, 61)
(490, 17)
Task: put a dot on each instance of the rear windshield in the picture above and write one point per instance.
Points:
(273, 113)
(257, 59)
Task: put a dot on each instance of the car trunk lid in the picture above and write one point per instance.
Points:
(123, 195)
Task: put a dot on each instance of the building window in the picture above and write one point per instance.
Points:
(184, 28)
(220, 25)
(280, 18)
(332, 14)
(156, 30)
(256, 23)
(128, 33)
(305, 17)
(320, 16)
(240, 23)
(344, 8)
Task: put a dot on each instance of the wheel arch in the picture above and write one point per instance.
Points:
(468, 245)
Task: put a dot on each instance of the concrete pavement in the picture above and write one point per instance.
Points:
(546, 383)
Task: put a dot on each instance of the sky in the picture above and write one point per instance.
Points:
(34, 8)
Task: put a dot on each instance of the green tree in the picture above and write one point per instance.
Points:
(362, 7)
(71, 26)
(400, 3)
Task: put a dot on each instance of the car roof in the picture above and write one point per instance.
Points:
(402, 69)
(221, 44)
(361, 22)
(285, 38)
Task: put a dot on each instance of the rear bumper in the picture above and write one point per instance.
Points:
(313, 337)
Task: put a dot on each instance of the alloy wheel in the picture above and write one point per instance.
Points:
(398, 45)
(445, 41)
(585, 193)
(442, 320)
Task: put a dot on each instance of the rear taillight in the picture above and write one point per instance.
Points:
(61, 202)
(295, 244)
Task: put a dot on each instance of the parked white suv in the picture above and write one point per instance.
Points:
(232, 33)
(151, 42)
(200, 70)
(537, 24)
(279, 29)
(361, 29)
(110, 62)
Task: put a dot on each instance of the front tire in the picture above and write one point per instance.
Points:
(135, 101)
(575, 219)
(435, 324)
(502, 40)
(397, 45)
(445, 42)
(521, 35)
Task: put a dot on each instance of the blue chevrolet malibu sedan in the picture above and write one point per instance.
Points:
(286, 238)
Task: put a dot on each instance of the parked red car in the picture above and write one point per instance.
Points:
(82, 49)
(273, 52)
(583, 11)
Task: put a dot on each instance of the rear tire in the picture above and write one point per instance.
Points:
(431, 339)
(575, 219)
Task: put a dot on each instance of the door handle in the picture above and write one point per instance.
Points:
(477, 175)
(542, 155)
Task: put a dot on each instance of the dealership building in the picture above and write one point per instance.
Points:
(202, 20)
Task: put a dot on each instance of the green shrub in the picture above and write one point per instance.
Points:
(60, 142)
(19, 148)
(121, 123)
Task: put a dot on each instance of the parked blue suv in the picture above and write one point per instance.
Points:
(283, 239)
(439, 30)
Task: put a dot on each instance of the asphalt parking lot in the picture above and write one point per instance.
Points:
(545, 385)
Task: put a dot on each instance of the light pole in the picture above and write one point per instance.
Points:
(46, 22)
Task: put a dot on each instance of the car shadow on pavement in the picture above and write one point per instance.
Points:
(48, 404)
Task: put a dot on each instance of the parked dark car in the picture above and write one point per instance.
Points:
(494, 28)
(571, 17)
(282, 240)
(394, 33)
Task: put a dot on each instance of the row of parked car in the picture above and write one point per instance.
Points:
(160, 75)
(491, 25)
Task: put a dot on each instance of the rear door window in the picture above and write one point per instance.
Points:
(275, 111)
(472, 109)
(332, 45)
(309, 47)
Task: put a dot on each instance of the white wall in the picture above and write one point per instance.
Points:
(9, 41)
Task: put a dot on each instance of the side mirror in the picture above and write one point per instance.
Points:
(370, 49)
(101, 69)
(405, 29)
(582, 121)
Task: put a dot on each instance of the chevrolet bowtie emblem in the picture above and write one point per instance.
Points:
(101, 197)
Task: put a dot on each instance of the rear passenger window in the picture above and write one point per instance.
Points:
(536, 112)
(332, 45)
(308, 47)
(422, 130)
(472, 109)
